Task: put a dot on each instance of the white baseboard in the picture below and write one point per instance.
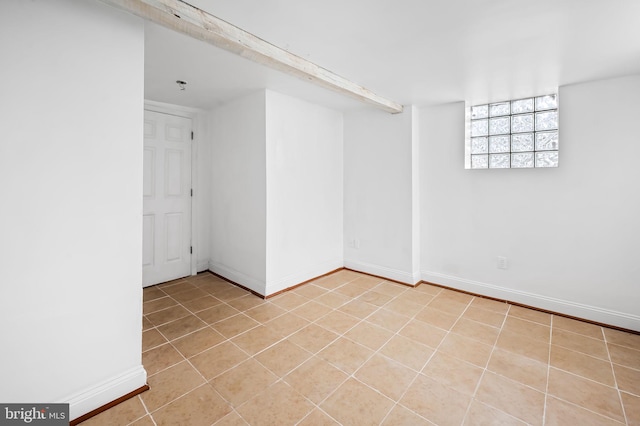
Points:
(202, 266)
(238, 277)
(306, 274)
(588, 312)
(105, 392)
(384, 272)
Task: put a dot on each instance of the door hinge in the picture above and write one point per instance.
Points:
(192, 192)
(191, 135)
(191, 249)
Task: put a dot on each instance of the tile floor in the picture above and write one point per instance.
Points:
(352, 349)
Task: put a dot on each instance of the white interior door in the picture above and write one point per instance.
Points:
(166, 253)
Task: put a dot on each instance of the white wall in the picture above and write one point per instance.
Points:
(379, 193)
(571, 234)
(304, 191)
(71, 189)
(238, 191)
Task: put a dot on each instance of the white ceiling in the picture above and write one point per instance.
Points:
(419, 52)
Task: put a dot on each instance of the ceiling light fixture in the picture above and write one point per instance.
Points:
(181, 84)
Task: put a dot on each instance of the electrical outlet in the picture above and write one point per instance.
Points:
(502, 262)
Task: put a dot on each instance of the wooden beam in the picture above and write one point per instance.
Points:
(184, 18)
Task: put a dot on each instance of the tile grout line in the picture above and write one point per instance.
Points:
(615, 378)
(546, 389)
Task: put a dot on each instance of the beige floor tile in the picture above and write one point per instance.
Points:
(580, 327)
(201, 303)
(625, 356)
(456, 296)
(231, 419)
(375, 298)
(167, 315)
(231, 293)
(436, 318)
(369, 335)
(176, 287)
(588, 394)
(265, 312)
(350, 290)
(332, 281)
(490, 305)
(218, 359)
(357, 308)
(122, 414)
(494, 319)
(247, 302)
(313, 338)
(337, 321)
(582, 365)
(622, 338)
(202, 406)
(158, 304)
(188, 295)
(277, 405)
(171, 384)
(403, 307)
(146, 324)
(356, 404)
(390, 288)
(466, 349)
(311, 311)
(257, 339)
(449, 306)
(333, 299)
(400, 416)
(436, 402)
(283, 357)
(346, 355)
(561, 413)
(315, 379)
(580, 343)
(530, 315)
(217, 313)
(181, 327)
(519, 368)
(287, 324)
(152, 338)
(386, 376)
(522, 345)
(454, 373)
(143, 421)
(631, 408)
(310, 291)
(628, 379)
(388, 320)
(288, 300)
(367, 281)
(243, 382)
(511, 397)
(196, 342)
(235, 325)
(423, 333)
(418, 297)
(215, 287)
(480, 414)
(152, 293)
(425, 287)
(531, 330)
(318, 418)
(408, 352)
(157, 359)
(476, 331)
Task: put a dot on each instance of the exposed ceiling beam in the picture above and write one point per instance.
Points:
(184, 18)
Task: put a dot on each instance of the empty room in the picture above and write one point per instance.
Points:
(289, 212)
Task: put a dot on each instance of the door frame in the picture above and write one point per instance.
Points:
(195, 117)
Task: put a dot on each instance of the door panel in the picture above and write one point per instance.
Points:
(167, 198)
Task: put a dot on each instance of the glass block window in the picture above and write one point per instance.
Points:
(522, 133)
